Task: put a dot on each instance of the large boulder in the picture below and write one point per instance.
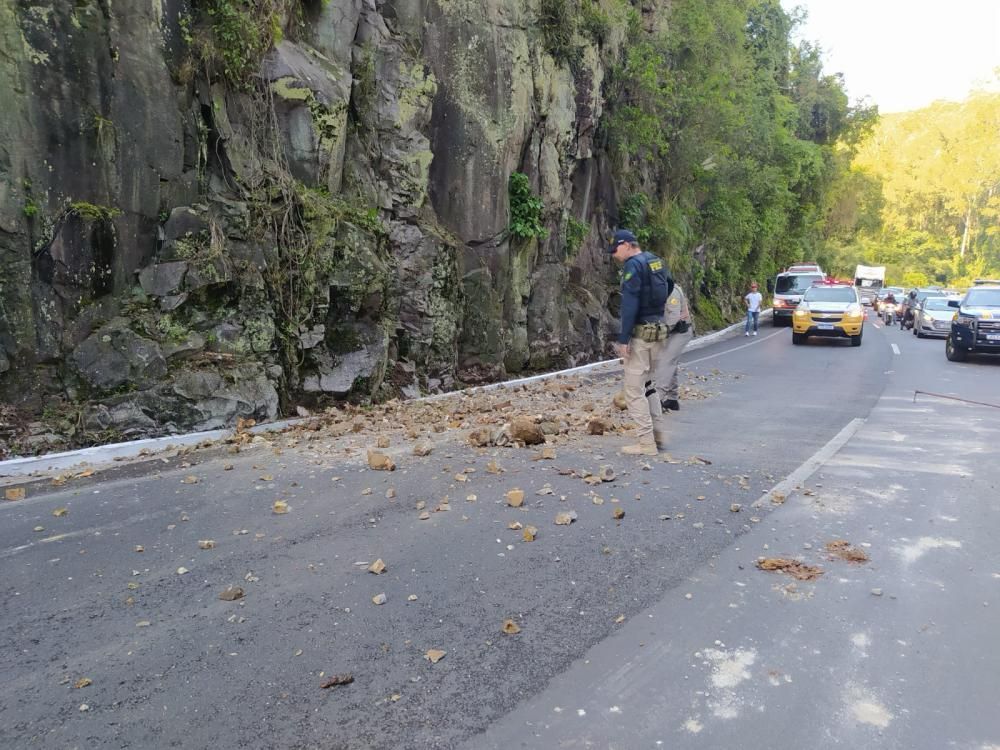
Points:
(116, 356)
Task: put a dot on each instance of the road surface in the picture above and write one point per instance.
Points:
(651, 630)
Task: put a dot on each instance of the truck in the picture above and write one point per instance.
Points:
(788, 287)
(869, 280)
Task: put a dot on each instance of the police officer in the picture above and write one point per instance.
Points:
(646, 285)
(677, 316)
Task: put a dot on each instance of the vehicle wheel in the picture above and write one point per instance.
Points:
(798, 338)
(955, 353)
(856, 340)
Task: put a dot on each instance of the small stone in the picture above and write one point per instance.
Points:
(515, 498)
(231, 593)
(735, 508)
(383, 441)
(618, 514)
(378, 599)
(377, 567)
(423, 448)
(876, 592)
(597, 426)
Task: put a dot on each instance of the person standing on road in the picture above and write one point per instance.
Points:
(646, 285)
(754, 299)
(677, 316)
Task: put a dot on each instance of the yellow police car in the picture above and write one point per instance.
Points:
(829, 310)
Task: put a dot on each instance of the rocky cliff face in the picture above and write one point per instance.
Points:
(181, 246)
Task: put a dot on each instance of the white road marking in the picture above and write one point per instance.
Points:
(895, 349)
(787, 485)
(734, 349)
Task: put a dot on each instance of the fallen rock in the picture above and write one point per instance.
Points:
(619, 401)
(423, 448)
(337, 679)
(377, 567)
(597, 426)
(524, 430)
(434, 655)
(515, 498)
(231, 593)
(380, 462)
(797, 570)
(480, 438)
(843, 549)
(565, 518)
(379, 599)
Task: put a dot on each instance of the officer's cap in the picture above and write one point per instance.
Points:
(622, 235)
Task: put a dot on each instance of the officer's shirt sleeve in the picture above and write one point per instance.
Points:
(631, 290)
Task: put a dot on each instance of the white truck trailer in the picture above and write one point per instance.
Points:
(868, 280)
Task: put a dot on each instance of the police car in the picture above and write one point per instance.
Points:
(975, 327)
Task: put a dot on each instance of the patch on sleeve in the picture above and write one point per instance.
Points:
(656, 265)
(628, 275)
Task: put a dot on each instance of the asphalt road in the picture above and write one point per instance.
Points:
(653, 628)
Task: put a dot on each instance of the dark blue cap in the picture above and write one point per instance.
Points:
(622, 235)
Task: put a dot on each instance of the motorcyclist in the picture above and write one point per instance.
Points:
(910, 303)
(889, 305)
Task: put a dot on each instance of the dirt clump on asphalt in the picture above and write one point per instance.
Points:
(794, 568)
(843, 549)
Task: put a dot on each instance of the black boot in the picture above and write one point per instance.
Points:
(670, 404)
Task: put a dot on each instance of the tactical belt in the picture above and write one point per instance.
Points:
(651, 332)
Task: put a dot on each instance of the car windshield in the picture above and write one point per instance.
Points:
(936, 303)
(795, 283)
(983, 298)
(831, 294)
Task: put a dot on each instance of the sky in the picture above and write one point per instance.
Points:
(905, 54)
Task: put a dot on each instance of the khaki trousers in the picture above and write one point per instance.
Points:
(639, 366)
(666, 365)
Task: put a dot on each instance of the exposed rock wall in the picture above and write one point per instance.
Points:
(177, 251)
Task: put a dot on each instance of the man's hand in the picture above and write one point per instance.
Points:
(621, 350)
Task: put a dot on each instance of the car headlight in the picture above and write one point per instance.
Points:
(853, 311)
(800, 313)
(964, 320)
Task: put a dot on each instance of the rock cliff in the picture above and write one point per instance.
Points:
(224, 208)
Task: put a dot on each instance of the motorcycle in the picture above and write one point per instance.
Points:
(891, 312)
(888, 312)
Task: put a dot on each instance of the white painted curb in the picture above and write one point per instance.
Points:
(106, 454)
